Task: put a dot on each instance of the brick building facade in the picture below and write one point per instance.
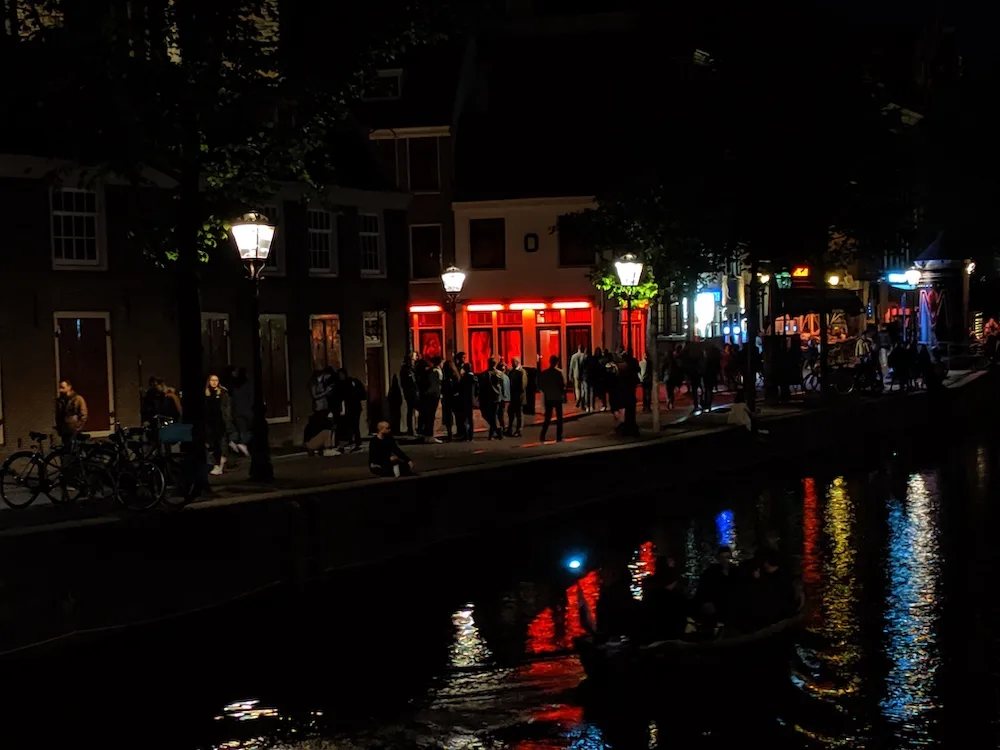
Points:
(83, 301)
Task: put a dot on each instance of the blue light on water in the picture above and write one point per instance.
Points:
(726, 527)
(575, 562)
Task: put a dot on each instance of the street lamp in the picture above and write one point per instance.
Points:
(253, 234)
(453, 279)
(629, 270)
(912, 277)
(833, 280)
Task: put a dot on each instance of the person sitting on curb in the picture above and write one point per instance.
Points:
(385, 457)
(739, 414)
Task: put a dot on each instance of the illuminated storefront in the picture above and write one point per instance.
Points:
(531, 330)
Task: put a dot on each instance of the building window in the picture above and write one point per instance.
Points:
(386, 149)
(370, 242)
(326, 350)
(425, 251)
(322, 242)
(83, 357)
(575, 248)
(74, 227)
(385, 85)
(424, 165)
(274, 359)
(487, 243)
(275, 262)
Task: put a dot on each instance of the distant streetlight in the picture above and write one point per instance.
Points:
(253, 235)
(629, 270)
(453, 279)
(833, 280)
(912, 277)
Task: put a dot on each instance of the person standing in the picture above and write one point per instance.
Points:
(241, 402)
(408, 383)
(504, 397)
(577, 365)
(468, 388)
(430, 398)
(218, 417)
(490, 387)
(450, 402)
(552, 384)
(71, 412)
(646, 379)
(518, 387)
(350, 395)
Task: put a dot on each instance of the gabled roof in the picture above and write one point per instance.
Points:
(428, 91)
(545, 110)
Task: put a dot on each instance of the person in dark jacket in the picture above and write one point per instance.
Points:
(241, 403)
(430, 398)
(468, 390)
(408, 384)
(351, 394)
(664, 606)
(518, 386)
(218, 416)
(451, 406)
(385, 457)
(718, 588)
(490, 391)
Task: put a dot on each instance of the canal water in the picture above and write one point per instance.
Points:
(467, 645)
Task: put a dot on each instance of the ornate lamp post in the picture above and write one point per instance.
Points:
(253, 234)
(453, 279)
(629, 270)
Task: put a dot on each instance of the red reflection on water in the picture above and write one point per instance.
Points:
(810, 533)
(590, 585)
(542, 633)
(567, 717)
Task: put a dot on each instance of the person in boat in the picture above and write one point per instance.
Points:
(664, 606)
(617, 614)
(718, 588)
(774, 596)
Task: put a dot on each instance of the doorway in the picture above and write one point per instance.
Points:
(376, 368)
(577, 336)
(549, 344)
(83, 356)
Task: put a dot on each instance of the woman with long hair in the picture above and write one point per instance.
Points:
(218, 416)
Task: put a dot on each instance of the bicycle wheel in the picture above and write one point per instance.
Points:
(179, 491)
(843, 381)
(99, 486)
(21, 479)
(140, 485)
(62, 480)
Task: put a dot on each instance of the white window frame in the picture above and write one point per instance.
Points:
(101, 262)
(229, 337)
(106, 317)
(278, 245)
(340, 337)
(380, 273)
(409, 166)
(396, 73)
(334, 266)
(288, 380)
(435, 280)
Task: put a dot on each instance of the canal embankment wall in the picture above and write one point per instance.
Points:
(71, 581)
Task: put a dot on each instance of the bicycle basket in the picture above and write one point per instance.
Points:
(176, 433)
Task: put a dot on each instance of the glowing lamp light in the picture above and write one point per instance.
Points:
(453, 279)
(764, 277)
(571, 305)
(252, 233)
(726, 330)
(912, 276)
(425, 308)
(574, 564)
(491, 307)
(527, 306)
(629, 270)
(833, 280)
(737, 329)
(971, 268)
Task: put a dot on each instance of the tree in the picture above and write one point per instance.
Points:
(217, 96)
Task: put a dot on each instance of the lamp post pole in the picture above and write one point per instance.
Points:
(261, 469)
(629, 270)
(452, 306)
(628, 324)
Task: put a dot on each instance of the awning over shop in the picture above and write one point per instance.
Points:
(800, 301)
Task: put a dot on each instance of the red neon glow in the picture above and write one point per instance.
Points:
(542, 633)
(527, 306)
(484, 307)
(425, 308)
(590, 585)
(579, 305)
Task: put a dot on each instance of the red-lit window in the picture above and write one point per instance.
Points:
(511, 344)
(430, 320)
(548, 317)
(512, 318)
(549, 345)
(430, 344)
(480, 318)
(578, 316)
(480, 349)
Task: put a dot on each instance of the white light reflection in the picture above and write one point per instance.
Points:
(471, 679)
(469, 648)
(911, 615)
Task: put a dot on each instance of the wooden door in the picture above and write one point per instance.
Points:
(84, 352)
